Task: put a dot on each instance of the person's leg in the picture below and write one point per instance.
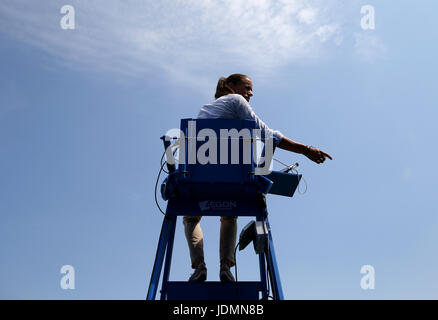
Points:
(228, 240)
(227, 246)
(194, 236)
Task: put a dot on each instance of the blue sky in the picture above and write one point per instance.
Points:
(81, 113)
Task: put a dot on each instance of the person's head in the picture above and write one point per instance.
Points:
(235, 83)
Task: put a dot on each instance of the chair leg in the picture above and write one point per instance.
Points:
(159, 258)
(273, 268)
(168, 261)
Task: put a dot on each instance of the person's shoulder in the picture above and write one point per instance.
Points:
(234, 98)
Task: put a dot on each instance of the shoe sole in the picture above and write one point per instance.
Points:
(224, 278)
(201, 278)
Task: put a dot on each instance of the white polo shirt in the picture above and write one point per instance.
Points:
(234, 106)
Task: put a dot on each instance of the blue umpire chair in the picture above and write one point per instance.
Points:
(210, 179)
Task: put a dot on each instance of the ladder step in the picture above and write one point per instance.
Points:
(214, 290)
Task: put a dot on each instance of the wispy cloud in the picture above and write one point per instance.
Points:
(181, 37)
(369, 47)
(330, 32)
(307, 15)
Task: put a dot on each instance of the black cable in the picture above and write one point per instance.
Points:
(267, 274)
(158, 178)
(267, 266)
(268, 281)
(162, 164)
(235, 261)
(235, 270)
(156, 184)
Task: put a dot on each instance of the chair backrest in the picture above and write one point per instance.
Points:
(217, 150)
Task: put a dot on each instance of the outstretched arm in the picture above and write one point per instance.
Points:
(244, 111)
(314, 154)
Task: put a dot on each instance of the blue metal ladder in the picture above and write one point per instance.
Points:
(193, 184)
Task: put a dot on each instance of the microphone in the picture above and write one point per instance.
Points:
(293, 166)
